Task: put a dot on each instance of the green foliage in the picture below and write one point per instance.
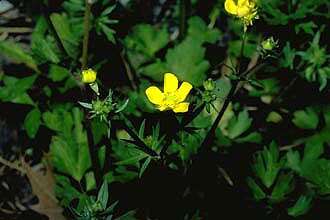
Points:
(64, 31)
(43, 45)
(316, 60)
(15, 52)
(278, 12)
(32, 122)
(145, 41)
(68, 148)
(15, 89)
(301, 207)
(267, 165)
(255, 88)
(306, 119)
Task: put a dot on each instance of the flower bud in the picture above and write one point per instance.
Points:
(269, 44)
(209, 85)
(88, 76)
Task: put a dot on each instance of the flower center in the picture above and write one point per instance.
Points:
(170, 100)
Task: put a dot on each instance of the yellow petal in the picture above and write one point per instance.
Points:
(243, 11)
(241, 3)
(154, 95)
(170, 83)
(88, 76)
(231, 7)
(183, 91)
(162, 108)
(181, 107)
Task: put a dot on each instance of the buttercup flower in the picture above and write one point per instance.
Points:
(243, 9)
(88, 76)
(173, 96)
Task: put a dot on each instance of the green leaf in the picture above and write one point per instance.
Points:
(238, 125)
(58, 73)
(307, 27)
(144, 41)
(198, 30)
(69, 149)
(58, 120)
(289, 55)
(187, 61)
(64, 31)
(155, 70)
(15, 89)
(284, 185)
(313, 150)
(253, 137)
(267, 164)
(44, 49)
(103, 195)
(32, 122)
(257, 192)
(293, 160)
(144, 166)
(109, 33)
(301, 207)
(306, 119)
(15, 52)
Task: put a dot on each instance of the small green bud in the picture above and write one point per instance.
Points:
(269, 44)
(209, 85)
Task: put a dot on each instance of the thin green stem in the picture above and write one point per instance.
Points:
(211, 133)
(241, 53)
(183, 15)
(87, 15)
(84, 60)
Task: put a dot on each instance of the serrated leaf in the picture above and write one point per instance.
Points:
(69, 149)
(306, 119)
(301, 207)
(187, 61)
(147, 39)
(238, 125)
(257, 192)
(64, 31)
(267, 164)
(284, 185)
(32, 122)
(16, 53)
(15, 89)
(103, 195)
(198, 30)
(293, 160)
(58, 73)
(253, 137)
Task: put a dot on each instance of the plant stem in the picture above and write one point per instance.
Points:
(211, 133)
(92, 151)
(183, 12)
(87, 15)
(185, 122)
(241, 53)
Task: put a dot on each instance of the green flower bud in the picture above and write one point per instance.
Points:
(209, 85)
(269, 44)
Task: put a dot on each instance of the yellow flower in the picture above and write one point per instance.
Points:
(173, 97)
(88, 76)
(243, 9)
